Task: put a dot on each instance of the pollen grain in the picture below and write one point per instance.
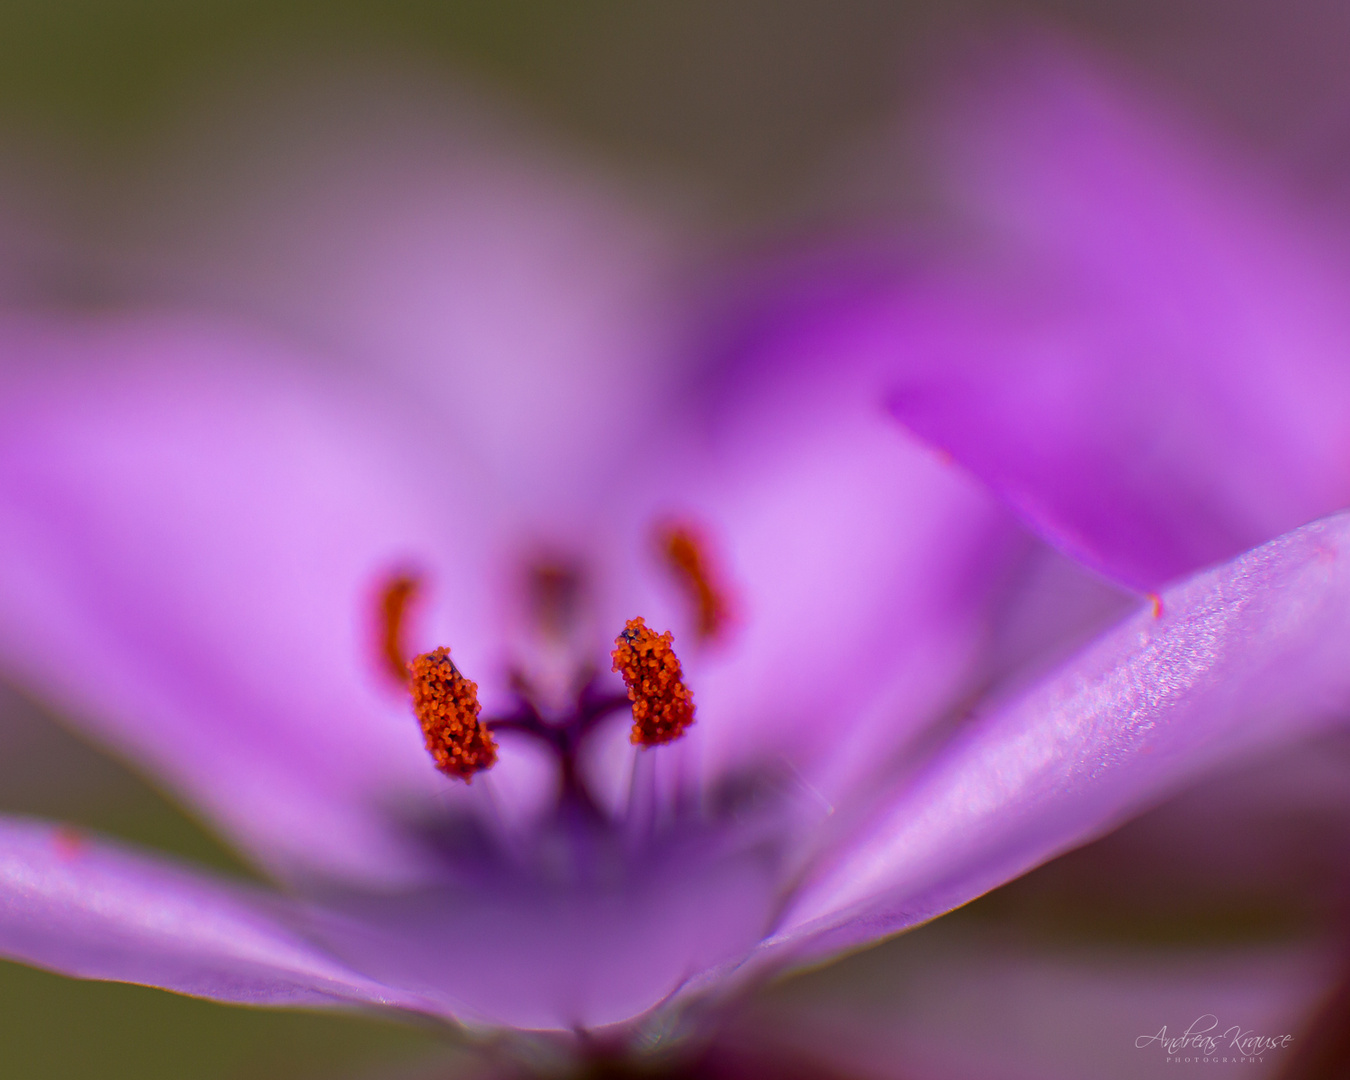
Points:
(663, 707)
(446, 704)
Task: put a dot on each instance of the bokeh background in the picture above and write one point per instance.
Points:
(735, 110)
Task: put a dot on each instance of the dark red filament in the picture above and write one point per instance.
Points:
(556, 594)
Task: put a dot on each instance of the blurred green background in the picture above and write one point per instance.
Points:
(741, 98)
(740, 102)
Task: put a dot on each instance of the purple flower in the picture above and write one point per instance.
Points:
(202, 530)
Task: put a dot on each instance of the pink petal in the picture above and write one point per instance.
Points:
(1136, 342)
(1244, 657)
(191, 538)
(402, 227)
(82, 907)
(564, 947)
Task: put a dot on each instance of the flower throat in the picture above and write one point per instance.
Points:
(461, 742)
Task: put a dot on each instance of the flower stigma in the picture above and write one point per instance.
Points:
(446, 704)
(663, 707)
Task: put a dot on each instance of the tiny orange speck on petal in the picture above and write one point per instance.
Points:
(70, 842)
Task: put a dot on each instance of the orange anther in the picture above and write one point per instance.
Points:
(686, 552)
(662, 705)
(1155, 601)
(446, 704)
(396, 596)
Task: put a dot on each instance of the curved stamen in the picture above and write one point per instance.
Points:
(397, 595)
(686, 553)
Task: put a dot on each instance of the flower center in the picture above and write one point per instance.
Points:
(462, 744)
(446, 705)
